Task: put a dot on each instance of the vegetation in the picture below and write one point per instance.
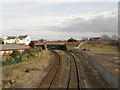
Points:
(32, 44)
(84, 38)
(115, 43)
(41, 40)
(99, 47)
(17, 56)
(113, 40)
(72, 40)
(71, 47)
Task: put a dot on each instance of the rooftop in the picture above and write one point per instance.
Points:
(11, 37)
(12, 47)
(22, 36)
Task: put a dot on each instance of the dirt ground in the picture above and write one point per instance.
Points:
(30, 74)
(26, 74)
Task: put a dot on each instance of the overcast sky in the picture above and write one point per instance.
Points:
(59, 20)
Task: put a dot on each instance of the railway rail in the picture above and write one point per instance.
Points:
(51, 80)
(74, 74)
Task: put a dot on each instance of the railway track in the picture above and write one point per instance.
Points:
(74, 75)
(50, 80)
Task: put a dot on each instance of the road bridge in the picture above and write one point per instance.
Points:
(47, 45)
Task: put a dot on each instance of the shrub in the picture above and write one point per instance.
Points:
(32, 44)
(27, 51)
(16, 53)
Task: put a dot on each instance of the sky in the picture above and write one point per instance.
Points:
(58, 20)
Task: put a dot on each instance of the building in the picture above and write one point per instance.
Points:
(23, 40)
(9, 39)
(95, 39)
(99, 40)
(7, 49)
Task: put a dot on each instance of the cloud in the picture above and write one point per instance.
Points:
(77, 28)
(59, 20)
(56, 9)
(59, 0)
(94, 26)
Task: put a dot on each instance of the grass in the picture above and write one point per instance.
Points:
(71, 47)
(95, 47)
(99, 47)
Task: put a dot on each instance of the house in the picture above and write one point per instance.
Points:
(99, 40)
(9, 39)
(94, 40)
(7, 49)
(23, 39)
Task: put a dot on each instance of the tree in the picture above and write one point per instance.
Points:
(41, 40)
(32, 44)
(84, 38)
(72, 40)
(114, 37)
(106, 37)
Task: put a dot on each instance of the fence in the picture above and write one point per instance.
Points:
(112, 80)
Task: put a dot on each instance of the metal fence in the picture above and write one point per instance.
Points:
(112, 80)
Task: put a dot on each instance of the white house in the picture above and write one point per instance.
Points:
(23, 40)
(9, 39)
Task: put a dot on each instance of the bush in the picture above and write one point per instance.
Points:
(18, 60)
(27, 51)
(115, 43)
(16, 53)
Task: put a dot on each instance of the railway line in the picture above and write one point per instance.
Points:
(74, 79)
(64, 70)
(51, 80)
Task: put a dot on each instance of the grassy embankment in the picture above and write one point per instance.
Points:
(107, 55)
(99, 47)
(94, 47)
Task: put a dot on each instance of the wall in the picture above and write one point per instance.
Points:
(112, 80)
